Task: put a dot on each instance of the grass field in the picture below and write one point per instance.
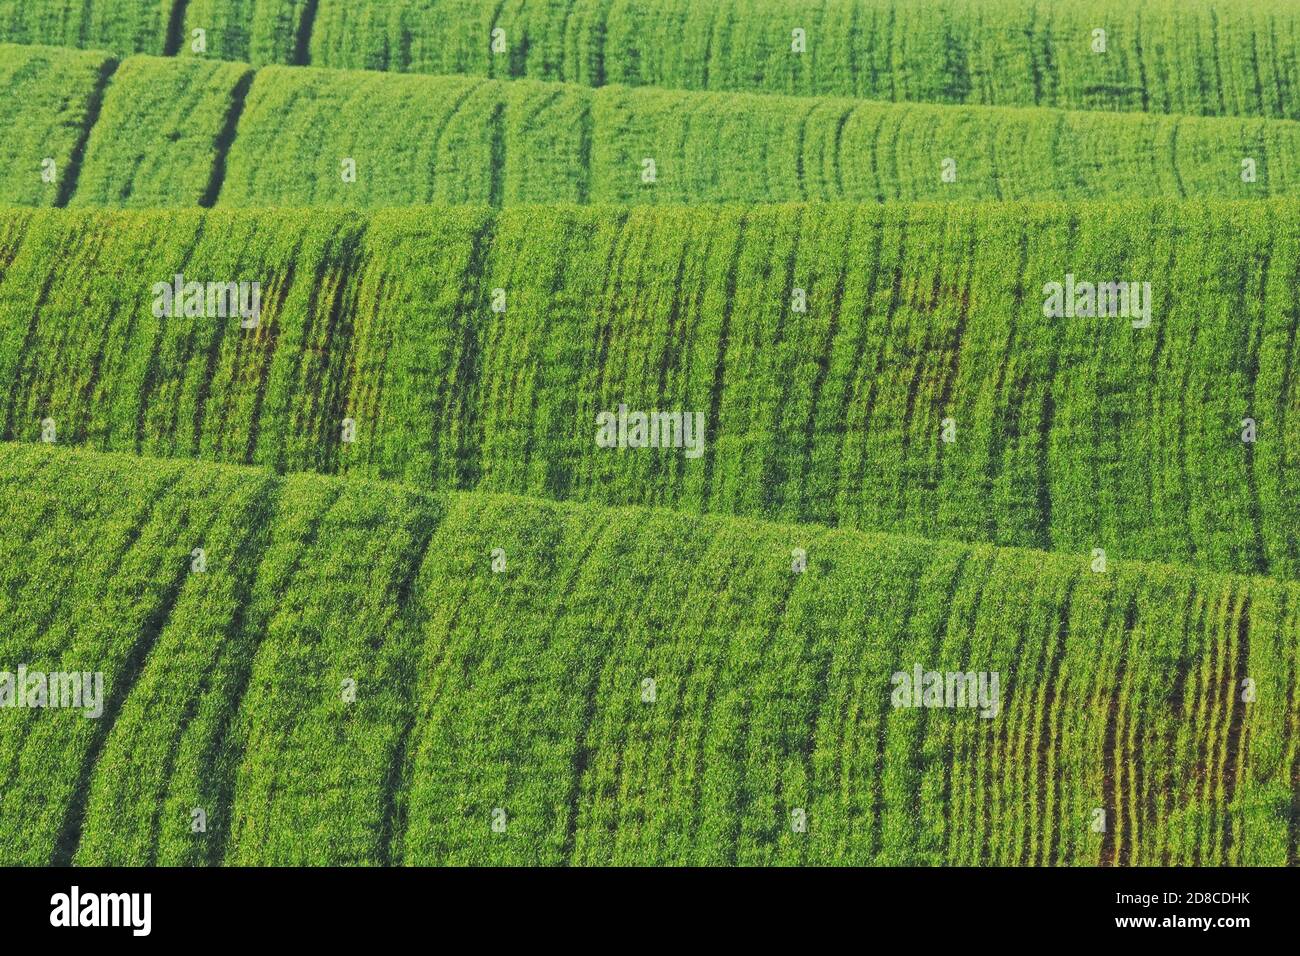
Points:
(160, 133)
(50, 98)
(1070, 433)
(123, 26)
(184, 132)
(477, 690)
(964, 336)
(458, 139)
(1230, 57)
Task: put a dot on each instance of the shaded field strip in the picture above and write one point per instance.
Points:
(1237, 738)
(223, 788)
(582, 747)
(225, 138)
(1177, 704)
(175, 28)
(1049, 783)
(152, 369)
(720, 366)
(251, 550)
(1210, 674)
(1114, 848)
(69, 835)
(302, 37)
(411, 614)
(72, 172)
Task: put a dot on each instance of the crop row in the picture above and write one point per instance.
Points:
(882, 367)
(360, 673)
(1227, 57)
(184, 132)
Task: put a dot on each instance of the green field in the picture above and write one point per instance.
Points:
(49, 99)
(257, 31)
(460, 139)
(184, 132)
(162, 130)
(524, 690)
(1230, 57)
(332, 333)
(1070, 433)
(123, 26)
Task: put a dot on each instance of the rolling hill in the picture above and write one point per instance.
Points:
(918, 323)
(183, 132)
(504, 716)
(601, 432)
(1226, 58)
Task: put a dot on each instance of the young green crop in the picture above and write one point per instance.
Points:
(1220, 58)
(1069, 433)
(180, 132)
(159, 136)
(48, 99)
(126, 564)
(1227, 57)
(369, 139)
(367, 674)
(121, 26)
(255, 31)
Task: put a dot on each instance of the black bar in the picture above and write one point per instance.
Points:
(334, 906)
